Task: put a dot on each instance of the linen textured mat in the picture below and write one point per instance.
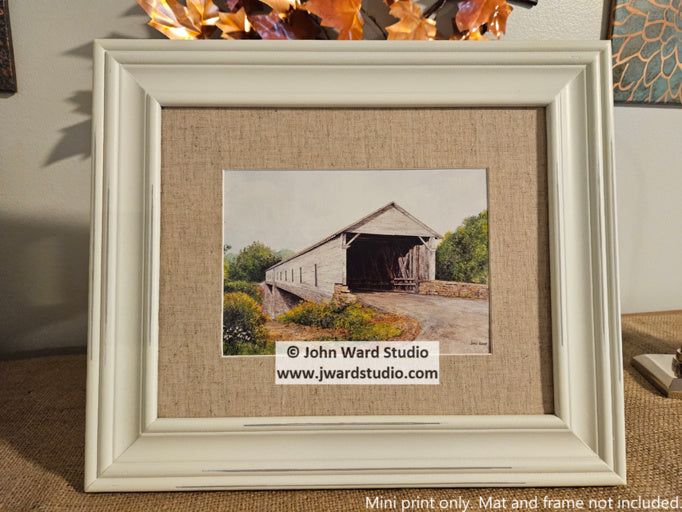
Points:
(42, 402)
(509, 142)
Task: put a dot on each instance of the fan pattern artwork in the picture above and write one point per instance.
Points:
(647, 51)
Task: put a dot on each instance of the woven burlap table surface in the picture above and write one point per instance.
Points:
(42, 418)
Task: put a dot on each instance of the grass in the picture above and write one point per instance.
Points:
(249, 349)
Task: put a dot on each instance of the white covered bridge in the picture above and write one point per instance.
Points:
(389, 250)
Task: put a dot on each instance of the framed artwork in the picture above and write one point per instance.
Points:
(355, 278)
(251, 195)
(8, 77)
(647, 51)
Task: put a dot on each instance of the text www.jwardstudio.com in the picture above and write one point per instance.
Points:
(357, 373)
(357, 362)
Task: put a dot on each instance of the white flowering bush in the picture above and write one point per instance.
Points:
(243, 320)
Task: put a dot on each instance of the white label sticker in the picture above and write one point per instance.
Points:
(357, 362)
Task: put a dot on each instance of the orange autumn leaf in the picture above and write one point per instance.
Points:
(197, 20)
(412, 24)
(280, 6)
(471, 14)
(202, 12)
(343, 15)
(233, 25)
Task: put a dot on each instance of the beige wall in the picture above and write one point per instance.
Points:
(45, 168)
(649, 186)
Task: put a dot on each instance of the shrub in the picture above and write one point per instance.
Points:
(353, 316)
(325, 316)
(309, 313)
(243, 331)
(354, 319)
(374, 332)
(251, 289)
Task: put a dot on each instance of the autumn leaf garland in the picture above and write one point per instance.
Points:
(302, 19)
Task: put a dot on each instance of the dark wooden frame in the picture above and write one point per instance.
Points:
(8, 76)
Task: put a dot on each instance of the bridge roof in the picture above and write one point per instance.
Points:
(414, 227)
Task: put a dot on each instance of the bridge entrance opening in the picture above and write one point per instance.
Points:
(382, 262)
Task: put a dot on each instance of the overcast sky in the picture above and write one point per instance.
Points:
(295, 209)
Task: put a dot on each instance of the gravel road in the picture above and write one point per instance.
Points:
(461, 325)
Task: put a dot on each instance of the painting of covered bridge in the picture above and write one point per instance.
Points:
(386, 250)
(412, 266)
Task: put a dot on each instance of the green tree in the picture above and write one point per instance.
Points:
(227, 255)
(251, 262)
(463, 255)
(285, 253)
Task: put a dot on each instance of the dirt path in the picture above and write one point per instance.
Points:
(461, 325)
(280, 331)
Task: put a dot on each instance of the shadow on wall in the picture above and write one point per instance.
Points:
(44, 283)
(75, 139)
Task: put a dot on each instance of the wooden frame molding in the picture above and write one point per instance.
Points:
(128, 447)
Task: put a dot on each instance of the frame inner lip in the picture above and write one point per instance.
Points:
(346, 470)
(342, 423)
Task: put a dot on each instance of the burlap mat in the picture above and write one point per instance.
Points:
(42, 431)
(509, 142)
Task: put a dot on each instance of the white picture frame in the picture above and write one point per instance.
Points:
(128, 448)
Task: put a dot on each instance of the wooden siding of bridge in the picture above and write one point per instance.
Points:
(391, 221)
(297, 275)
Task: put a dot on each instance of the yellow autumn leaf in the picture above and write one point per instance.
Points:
(197, 20)
(233, 23)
